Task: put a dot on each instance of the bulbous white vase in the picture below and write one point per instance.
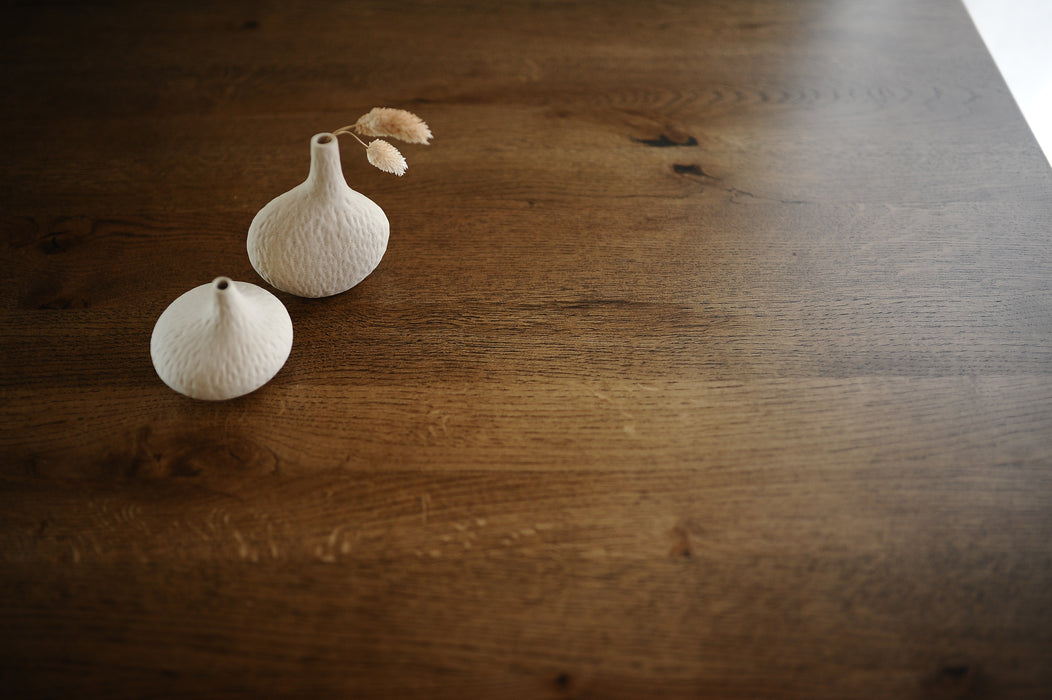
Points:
(221, 340)
(321, 237)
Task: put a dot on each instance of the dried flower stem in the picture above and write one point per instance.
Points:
(347, 130)
(385, 121)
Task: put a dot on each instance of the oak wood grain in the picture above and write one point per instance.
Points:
(711, 356)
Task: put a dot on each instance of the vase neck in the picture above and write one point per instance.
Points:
(227, 298)
(325, 168)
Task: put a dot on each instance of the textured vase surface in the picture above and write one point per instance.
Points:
(321, 237)
(221, 340)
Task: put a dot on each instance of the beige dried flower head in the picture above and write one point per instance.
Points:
(387, 121)
(396, 123)
(386, 157)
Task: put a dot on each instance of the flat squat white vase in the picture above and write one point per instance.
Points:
(321, 237)
(221, 340)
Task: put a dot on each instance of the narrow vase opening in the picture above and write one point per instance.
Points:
(325, 170)
(221, 283)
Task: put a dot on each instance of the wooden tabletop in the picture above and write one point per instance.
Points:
(711, 357)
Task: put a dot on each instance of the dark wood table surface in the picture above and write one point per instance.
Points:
(711, 357)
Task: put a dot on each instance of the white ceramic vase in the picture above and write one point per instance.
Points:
(321, 237)
(221, 340)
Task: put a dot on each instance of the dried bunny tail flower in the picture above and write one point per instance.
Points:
(397, 123)
(386, 157)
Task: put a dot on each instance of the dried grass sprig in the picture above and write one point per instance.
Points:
(394, 123)
(386, 157)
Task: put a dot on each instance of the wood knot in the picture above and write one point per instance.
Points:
(955, 679)
(691, 169)
(681, 546)
(198, 455)
(66, 233)
(664, 141)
